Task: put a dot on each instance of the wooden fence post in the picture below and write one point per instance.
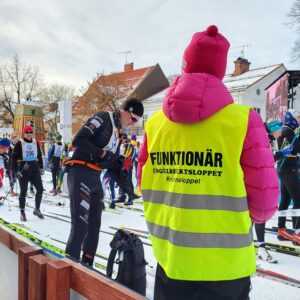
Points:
(24, 253)
(37, 277)
(58, 280)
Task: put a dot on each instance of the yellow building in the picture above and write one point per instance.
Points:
(30, 114)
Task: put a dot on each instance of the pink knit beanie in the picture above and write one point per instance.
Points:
(206, 53)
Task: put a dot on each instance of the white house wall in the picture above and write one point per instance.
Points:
(250, 96)
(152, 106)
(246, 97)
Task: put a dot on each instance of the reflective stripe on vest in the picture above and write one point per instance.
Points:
(195, 199)
(203, 240)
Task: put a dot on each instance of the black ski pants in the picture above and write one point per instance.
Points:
(260, 231)
(130, 183)
(34, 176)
(85, 192)
(290, 189)
(55, 167)
(171, 289)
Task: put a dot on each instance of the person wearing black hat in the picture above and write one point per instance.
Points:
(97, 146)
(54, 159)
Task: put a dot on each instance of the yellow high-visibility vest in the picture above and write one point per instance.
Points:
(195, 198)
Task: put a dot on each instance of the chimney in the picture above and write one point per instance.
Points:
(241, 66)
(128, 67)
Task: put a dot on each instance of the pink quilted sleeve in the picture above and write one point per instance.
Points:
(260, 176)
(143, 156)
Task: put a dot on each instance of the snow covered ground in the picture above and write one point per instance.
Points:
(54, 229)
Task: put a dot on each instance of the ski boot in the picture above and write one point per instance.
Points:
(38, 213)
(284, 235)
(296, 239)
(112, 205)
(87, 260)
(11, 192)
(135, 196)
(263, 254)
(129, 202)
(57, 192)
(131, 198)
(23, 216)
(121, 199)
(52, 191)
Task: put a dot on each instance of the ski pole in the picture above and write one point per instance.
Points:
(288, 213)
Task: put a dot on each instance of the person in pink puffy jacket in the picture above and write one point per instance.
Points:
(194, 97)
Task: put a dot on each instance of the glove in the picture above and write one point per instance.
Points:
(124, 173)
(108, 160)
(5, 158)
(118, 164)
(287, 151)
(278, 155)
(42, 172)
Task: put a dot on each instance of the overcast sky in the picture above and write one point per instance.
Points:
(70, 41)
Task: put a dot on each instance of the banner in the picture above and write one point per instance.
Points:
(277, 99)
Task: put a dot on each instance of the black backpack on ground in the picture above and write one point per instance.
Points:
(131, 261)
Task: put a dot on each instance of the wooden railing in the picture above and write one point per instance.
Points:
(41, 277)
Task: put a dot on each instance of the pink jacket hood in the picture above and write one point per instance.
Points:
(193, 97)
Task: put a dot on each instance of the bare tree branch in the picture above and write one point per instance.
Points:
(18, 82)
(294, 22)
(51, 95)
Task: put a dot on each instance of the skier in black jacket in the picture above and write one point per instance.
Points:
(54, 159)
(96, 148)
(288, 168)
(28, 164)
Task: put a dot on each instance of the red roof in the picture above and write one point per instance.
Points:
(126, 80)
(130, 78)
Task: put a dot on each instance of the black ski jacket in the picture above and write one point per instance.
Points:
(292, 161)
(17, 156)
(94, 136)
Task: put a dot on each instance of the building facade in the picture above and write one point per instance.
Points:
(246, 86)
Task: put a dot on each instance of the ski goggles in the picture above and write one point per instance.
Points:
(134, 118)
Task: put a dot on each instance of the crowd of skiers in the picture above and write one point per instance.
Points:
(201, 233)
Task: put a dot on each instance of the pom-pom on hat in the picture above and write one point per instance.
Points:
(27, 128)
(133, 137)
(4, 143)
(134, 106)
(206, 53)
